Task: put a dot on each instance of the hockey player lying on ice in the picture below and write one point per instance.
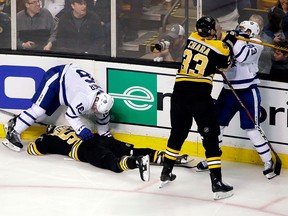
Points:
(100, 151)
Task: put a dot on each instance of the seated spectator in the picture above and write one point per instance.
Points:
(5, 31)
(131, 19)
(265, 57)
(103, 9)
(274, 27)
(80, 30)
(279, 69)
(171, 45)
(35, 27)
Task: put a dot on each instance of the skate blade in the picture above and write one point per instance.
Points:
(222, 195)
(145, 176)
(11, 146)
(163, 183)
(270, 176)
(201, 170)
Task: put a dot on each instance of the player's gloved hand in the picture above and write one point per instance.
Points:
(85, 134)
(231, 39)
(107, 134)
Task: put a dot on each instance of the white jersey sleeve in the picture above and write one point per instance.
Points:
(247, 53)
(79, 105)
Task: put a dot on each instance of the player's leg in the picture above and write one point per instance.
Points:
(226, 107)
(181, 122)
(252, 101)
(208, 127)
(46, 94)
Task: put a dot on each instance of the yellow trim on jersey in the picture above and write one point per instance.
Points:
(217, 45)
(172, 150)
(32, 149)
(170, 157)
(74, 151)
(214, 166)
(213, 159)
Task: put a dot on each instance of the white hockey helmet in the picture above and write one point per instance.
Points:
(253, 27)
(103, 102)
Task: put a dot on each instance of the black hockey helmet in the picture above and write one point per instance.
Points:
(204, 25)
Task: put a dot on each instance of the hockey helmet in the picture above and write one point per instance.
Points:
(204, 25)
(103, 102)
(253, 27)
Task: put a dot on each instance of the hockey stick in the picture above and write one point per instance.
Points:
(14, 115)
(278, 163)
(262, 43)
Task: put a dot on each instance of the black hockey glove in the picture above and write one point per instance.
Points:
(231, 39)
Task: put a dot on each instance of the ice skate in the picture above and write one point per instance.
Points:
(220, 190)
(202, 166)
(269, 169)
(12, 140)
(166, 176)
(144, 167)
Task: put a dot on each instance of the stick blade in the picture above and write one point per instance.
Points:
(278, 165)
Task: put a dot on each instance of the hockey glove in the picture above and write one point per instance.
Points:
(231, 39)
(85, 134)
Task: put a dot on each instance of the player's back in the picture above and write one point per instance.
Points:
(202, 58)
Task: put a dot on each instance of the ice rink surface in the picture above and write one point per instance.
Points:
(54, 185)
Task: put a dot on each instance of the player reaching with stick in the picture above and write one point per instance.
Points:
(191, 98)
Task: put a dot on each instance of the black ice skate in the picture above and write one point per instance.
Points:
(144, 167)
(202, 166)
(12, 140)
(269, 169)
(220, 190)
(166, 176)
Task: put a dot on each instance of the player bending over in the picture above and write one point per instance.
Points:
(70, 86)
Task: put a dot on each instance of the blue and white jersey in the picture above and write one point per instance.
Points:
(78, 91)
(243, 72)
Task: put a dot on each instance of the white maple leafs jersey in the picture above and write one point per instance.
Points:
(78, 91)
(243, 72)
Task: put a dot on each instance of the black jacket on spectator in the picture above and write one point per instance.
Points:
(279, 71)
(89, 38)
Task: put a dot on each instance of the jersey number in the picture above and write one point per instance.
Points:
(201, 63)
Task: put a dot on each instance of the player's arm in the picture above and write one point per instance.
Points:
(74, 110)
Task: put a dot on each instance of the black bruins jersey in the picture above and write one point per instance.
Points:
(202, 58)
(63, 140)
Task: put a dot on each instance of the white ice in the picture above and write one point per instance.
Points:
(54, 185)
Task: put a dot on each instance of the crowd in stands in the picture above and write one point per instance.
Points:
(84, 26)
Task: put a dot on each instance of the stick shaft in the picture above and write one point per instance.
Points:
(262, 43)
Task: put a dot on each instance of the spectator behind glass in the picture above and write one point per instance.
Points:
(35, 27)
(265, 57)
(274, 27)
(131, 19)
(172, 45)
(5, 28)
(80, 30)
(103, 9)
(279, 69)
(225, 11)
